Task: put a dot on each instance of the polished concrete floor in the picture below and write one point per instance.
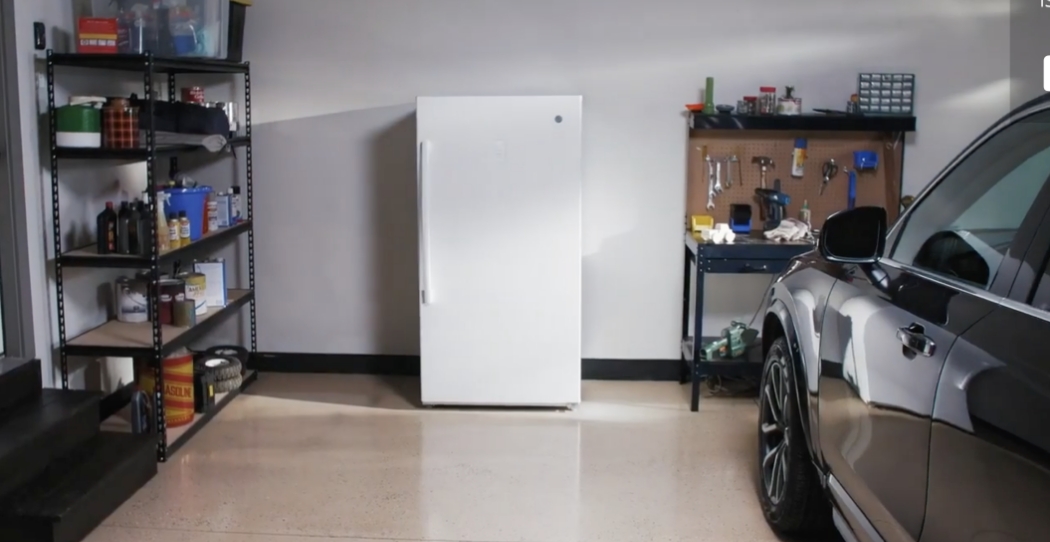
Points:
(320, 458)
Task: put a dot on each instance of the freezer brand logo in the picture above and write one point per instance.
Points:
(1044, 3)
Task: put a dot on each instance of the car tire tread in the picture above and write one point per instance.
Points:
(805, 508)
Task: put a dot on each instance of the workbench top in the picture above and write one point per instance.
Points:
(753, 247)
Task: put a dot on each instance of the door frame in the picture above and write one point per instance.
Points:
(14, 238)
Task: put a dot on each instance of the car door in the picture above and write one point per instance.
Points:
(990, 443)
(889, 328)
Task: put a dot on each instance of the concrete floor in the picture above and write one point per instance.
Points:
(322, 458)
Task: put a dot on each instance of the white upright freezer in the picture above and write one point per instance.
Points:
(500, 268)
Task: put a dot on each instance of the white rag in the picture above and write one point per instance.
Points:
(790, 230)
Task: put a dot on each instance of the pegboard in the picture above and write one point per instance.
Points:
(880, 187)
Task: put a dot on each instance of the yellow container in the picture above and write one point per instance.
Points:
(178, 388)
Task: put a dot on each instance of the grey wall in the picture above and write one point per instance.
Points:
(335, 79)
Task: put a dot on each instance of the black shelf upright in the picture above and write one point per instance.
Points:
(159, 341)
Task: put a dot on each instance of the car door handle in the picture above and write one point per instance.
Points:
(913, 338)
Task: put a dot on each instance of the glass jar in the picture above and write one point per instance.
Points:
(752, 105)
(767, 100)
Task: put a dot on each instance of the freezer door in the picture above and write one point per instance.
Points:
(500, 250)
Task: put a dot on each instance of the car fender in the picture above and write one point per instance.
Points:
(783, 313)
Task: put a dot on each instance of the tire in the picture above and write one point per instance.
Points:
(234, 352)
(221, 368)
(793, 501)
(226, 386)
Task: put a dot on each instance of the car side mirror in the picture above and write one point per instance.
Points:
(857, 236)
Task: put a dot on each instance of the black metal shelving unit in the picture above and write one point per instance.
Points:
(150, 340)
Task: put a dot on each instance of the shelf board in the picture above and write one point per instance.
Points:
(804, 123)
(121, 339)
(138, 63)
(119, 422)
(90, 258)
(140, 154)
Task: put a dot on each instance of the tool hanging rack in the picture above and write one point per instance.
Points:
(150, 341)
(751, 137)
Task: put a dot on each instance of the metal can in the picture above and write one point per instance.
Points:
(184, 313)
(193, 95)
(196, 289)
(213, 215)
(171, 291)
(131, 300)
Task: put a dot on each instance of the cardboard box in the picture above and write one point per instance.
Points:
(97, 35)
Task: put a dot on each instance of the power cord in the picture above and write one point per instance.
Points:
(725, 386)
(762, 304)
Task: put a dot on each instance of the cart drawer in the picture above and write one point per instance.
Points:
(744, 266)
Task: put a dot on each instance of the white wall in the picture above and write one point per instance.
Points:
(345, 218)
(38, 193)
(334, 82)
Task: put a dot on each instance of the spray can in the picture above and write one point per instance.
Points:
(798, 158)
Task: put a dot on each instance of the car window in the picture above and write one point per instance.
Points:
(1041, 298)
(963, 227)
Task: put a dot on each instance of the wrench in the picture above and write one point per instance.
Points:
(710, 183)
(718, 176)
(729, 170)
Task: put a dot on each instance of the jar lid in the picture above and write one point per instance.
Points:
(767, 89)
(750, 98)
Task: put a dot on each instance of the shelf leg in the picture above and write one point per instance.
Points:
(251, 201)
(698, 332)
(683, 369)
(56, 224)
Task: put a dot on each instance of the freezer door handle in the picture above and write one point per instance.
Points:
(427, 291)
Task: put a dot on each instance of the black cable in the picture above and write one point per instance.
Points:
(762, 304)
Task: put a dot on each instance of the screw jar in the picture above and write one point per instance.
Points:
(767, 100)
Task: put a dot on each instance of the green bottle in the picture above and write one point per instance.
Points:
(709, 96)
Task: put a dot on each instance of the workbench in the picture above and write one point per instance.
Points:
(747, 255)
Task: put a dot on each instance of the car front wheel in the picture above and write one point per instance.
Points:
(792, 499)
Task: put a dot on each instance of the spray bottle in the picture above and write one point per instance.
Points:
(163, 235)
(798, 158)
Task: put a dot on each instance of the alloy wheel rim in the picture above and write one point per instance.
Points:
(774, 429)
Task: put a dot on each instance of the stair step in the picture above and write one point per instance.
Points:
(35, 432)
(77, 492)
(19, 382)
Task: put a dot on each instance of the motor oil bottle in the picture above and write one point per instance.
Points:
(106, 233)
(123, 229)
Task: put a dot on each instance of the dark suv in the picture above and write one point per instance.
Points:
(906, 387)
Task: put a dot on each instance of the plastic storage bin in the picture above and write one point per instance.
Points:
(168, 28)
(192, 200)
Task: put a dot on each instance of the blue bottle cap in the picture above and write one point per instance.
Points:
(800, 143)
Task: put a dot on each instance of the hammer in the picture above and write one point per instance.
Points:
(766, 163)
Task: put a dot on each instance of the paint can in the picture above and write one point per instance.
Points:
(178, 388)
(171, 291)
(131, 300)
(197, 290)
(184, 313)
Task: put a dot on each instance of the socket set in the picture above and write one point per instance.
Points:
(886, 93)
